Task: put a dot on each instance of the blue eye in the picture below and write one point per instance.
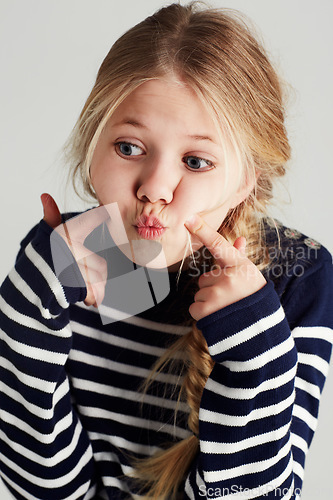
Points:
(196, 163)
(128, 149)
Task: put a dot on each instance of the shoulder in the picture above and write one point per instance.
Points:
(294, 256)
(288, 246)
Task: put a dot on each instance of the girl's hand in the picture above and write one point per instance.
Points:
(93, 267)
(234, 277)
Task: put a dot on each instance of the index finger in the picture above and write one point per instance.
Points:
(220, 248)
(79, 227)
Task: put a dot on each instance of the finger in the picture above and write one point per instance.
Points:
(209, 278)
(199, 310)
(95, 280)
(223, 252)
(95, 295)
(75, 230)
(116, 225)
(93, 268)
(79, 227)
(52, 214)
(240, 244)
(203, 295)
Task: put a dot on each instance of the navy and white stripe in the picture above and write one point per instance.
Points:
(72, 417)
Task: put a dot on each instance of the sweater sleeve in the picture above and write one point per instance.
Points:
(260, 404)
(44, 452)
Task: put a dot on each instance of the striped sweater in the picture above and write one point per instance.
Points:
(72, 416)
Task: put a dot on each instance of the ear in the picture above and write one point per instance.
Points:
(245, 189)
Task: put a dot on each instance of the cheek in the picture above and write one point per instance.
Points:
(196, 198)
(212, 208)
(110, 185)
(216, 216)
(202, 198)
(210, 194)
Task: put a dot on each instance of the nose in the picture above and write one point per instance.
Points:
(158, 181)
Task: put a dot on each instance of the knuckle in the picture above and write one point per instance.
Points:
(202, 280)
(214, 293)
(216, 272)
(104, 264)
(230, 273)
(196, 310)
(193, 311)
(197, 296)
(215, 245)
(101, 264)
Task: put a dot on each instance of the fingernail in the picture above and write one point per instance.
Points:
(44, 198)
(192, 221)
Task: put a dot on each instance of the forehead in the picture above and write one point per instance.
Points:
(168, 101)
(174, 90)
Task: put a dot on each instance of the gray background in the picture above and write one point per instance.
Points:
(50, 52)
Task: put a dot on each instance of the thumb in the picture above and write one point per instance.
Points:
(240, 244)
(52, 214)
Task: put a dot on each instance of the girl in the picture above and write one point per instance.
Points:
(214, 391)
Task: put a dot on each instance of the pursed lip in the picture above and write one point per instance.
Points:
(149, 221)
(149, 227)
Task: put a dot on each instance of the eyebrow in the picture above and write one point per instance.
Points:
(135, 123)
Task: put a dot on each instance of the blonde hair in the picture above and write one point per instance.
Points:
(216, 55)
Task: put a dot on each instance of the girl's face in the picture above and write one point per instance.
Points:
(161, 160)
